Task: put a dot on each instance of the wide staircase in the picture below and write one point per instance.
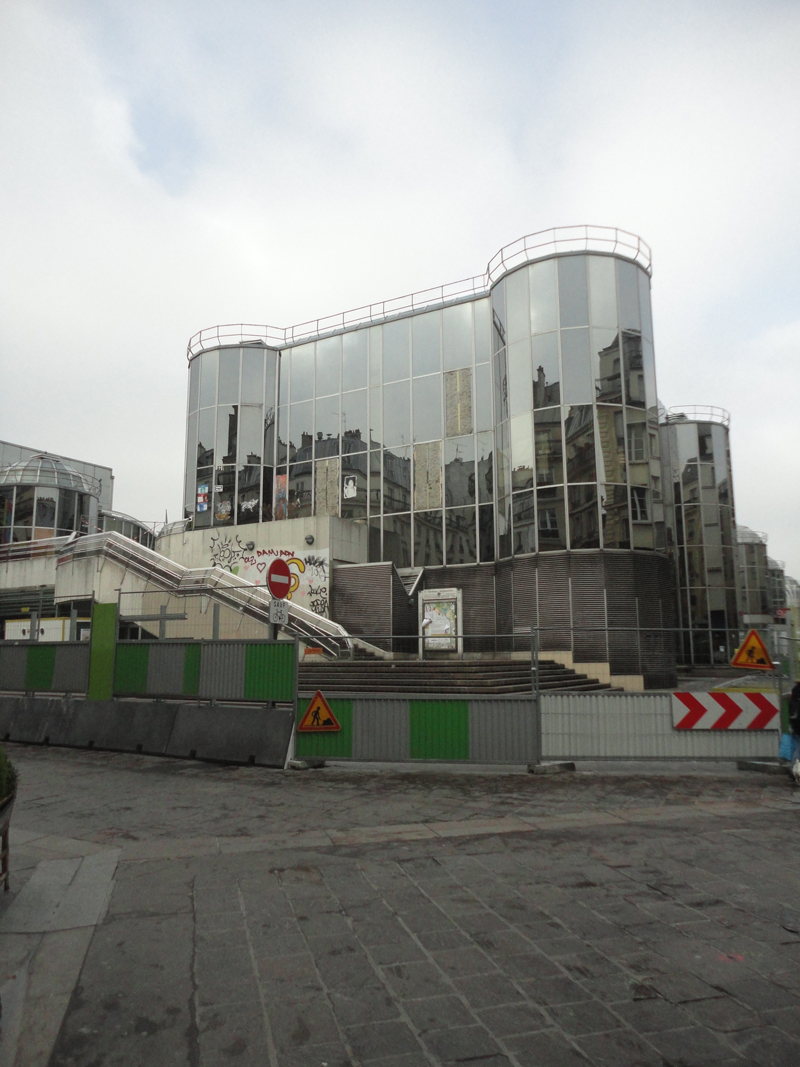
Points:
(464, 678)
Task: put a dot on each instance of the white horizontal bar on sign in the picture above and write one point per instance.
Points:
(725, 711)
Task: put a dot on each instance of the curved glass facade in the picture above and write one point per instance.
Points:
(520, 421)
(42, 497)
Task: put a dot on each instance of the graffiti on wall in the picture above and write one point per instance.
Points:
(310, 571)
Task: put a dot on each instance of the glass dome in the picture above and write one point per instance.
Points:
(51, 471)
(42, 497)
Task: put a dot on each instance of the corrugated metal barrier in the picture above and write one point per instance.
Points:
(36, 666)
(501, 730)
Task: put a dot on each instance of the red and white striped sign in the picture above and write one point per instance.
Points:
(725, 711)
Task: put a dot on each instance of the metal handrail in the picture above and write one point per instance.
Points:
(556, 240)
(699, 413)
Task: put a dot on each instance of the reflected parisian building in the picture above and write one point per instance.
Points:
(507, 428)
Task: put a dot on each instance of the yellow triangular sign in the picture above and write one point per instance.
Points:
(753, 654)
(318, 716)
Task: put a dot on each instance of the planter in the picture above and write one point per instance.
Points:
(6, 808)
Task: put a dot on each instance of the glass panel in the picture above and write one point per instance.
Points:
(544, 306)
(460, 535)
(354, 421)
(524, 518)
(584, 529)
(375, 551)
(504, 528)
(428, 408)
(266, 495)
(397, 540)
(354, 485)
(194, 384)
(521, 452)
(329, 357)
(614, 516)
(395, 350)
(45, 516)
(483, 397)
(459, 471)
(483, 341)
(327, 426)
(302, 373)
(498, 317)
(203, 497)
(426, 342)
(269, 437)
(602, 291)
(228, 376)
(486, 533)
(375, 418)
(485, 443)
(209, 361)
(375, 486)
(253, 376)
(576, 367)
(248, 494)
(284, 374)
(397, 480)
(301, 430)
(428, 476)
(205, 437)
(428, 551)
(354, 360)
(640, 509)
(375, 354)
(606, 366)
(299, 490)
(227, 428)
(191, 445)
(634, 369)
(649, 368)
(628, 283)
(283, 435)
(68, 507)
(520, 394)
(644, 304)
(396, 414)
(503, 459)
(518, 319)
(611, 435)
(573, 298)
(550, 520)
(250, 433)
(579, 440)
(548, 447)
(224, 496)
(500, 386)
(457, 336)
(546, 371)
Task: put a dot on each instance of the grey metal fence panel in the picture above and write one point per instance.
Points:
(380, 729)
(637, 725)
(222, 671)
(71, 669)
(165, 669)
(13, 662)
(501, 731)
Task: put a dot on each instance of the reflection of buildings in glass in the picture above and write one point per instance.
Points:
(545, 393)
(608, 385)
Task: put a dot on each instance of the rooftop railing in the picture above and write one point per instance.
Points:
(699, 413)
(555, 241)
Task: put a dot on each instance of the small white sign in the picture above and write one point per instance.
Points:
(279, 612)
(350, 487)
(217, 488)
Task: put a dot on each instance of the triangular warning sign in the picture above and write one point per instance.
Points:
(753, 654)
(318, 716)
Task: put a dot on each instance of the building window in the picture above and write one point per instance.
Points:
(639, 504)
(636, 443)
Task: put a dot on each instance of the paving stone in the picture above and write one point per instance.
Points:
(371, 1041)
(583, 1017)
(413, 980)
(619, 1048)
(488, 991)
(692, 1047)
(513, 1019)
(767, 1047)
(436, 1013)
(648, 1016)
(554, 991)
(545, 1050)
(759, 993)
(459, 1043)
(724, 1015)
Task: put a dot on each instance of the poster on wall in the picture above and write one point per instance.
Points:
(202, 498)
(281, 502)
(440, 612)
(310, 586)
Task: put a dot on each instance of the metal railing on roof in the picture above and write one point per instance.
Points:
(699, 413)
(558, 240)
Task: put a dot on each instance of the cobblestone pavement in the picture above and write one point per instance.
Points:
(399, 918)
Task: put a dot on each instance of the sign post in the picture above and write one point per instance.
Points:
(279, 583)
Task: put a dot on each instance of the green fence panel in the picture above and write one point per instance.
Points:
(269, 671)
(191, 670)
(439, 729)
(102, 648)
(40, 666)
(130, 675)
(338, 744)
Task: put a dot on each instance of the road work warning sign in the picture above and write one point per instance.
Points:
(753, 654)
(318, 716)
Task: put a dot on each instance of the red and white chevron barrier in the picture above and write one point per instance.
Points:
(725, 711)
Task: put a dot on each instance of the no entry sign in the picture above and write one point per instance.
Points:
(279, 579)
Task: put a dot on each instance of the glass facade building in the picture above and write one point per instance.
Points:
(42, 497)
(701, 530)
(519, 421)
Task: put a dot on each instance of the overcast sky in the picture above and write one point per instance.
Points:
(171, 165)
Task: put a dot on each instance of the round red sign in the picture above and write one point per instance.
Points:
(279, 579)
